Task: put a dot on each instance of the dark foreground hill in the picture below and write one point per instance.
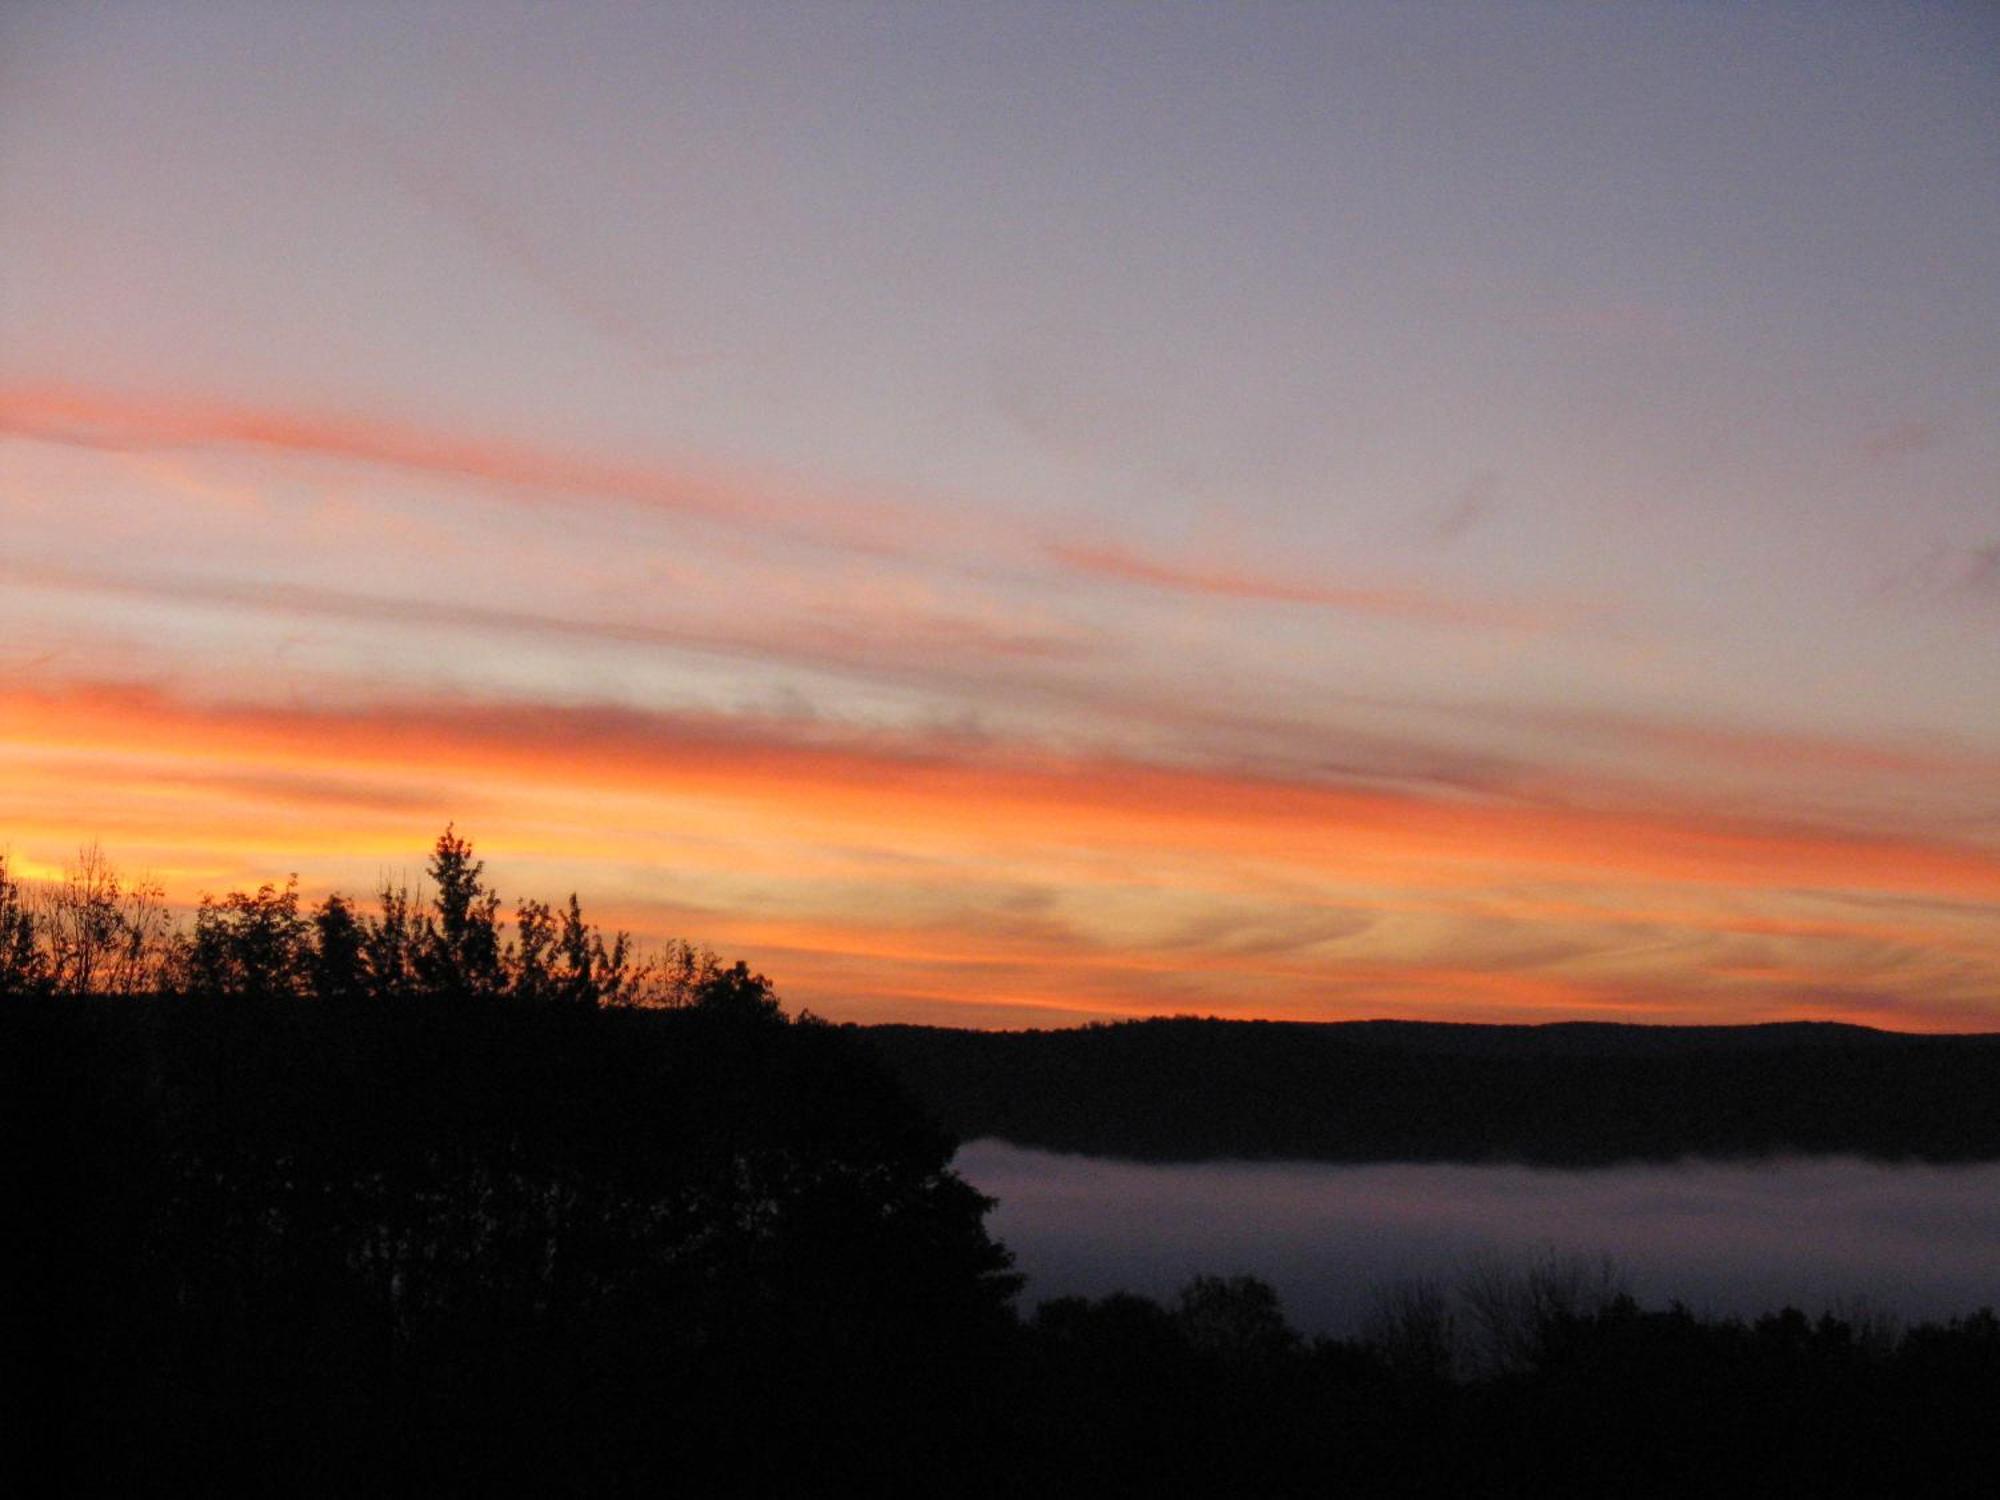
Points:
(1570, 1094)
(459, 1245)
(470, 1245)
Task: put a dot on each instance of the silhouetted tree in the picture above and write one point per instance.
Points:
(1412, 1327)
(585, 972)
(460, 954)
(611, 965)
(535, 935)
(23, 968)
(1514, 1311)
(737, 994)
(148, 945)
(80, 919)
(251, 945)
(391, 940)
(675, 976)
(337, 965)
(1236, 1319)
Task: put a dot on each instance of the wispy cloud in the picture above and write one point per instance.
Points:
(1471, 507)
(1897, 440)
(1726, 746)
(97, 419)
(1979, 573)
(615, 318)
(1123, 566)
(1949, 576)
(888, 638)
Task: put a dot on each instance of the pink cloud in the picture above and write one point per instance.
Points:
(1122, 566)
(97, 419)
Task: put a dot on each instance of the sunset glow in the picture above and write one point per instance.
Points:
(979, 572)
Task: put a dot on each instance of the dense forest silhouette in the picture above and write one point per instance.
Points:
(1568, 1094)
(403, 1196)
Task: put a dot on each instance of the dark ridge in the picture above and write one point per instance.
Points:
(1568, 1094)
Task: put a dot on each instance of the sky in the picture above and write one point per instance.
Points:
(1017, 515)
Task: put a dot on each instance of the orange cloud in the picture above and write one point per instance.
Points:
(937, 790)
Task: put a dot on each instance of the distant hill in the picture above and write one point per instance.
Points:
(1570, 1094)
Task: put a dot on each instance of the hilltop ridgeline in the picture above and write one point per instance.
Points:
(1562, 1095)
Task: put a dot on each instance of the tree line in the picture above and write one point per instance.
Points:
(93, 932)
(1545, 1377)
